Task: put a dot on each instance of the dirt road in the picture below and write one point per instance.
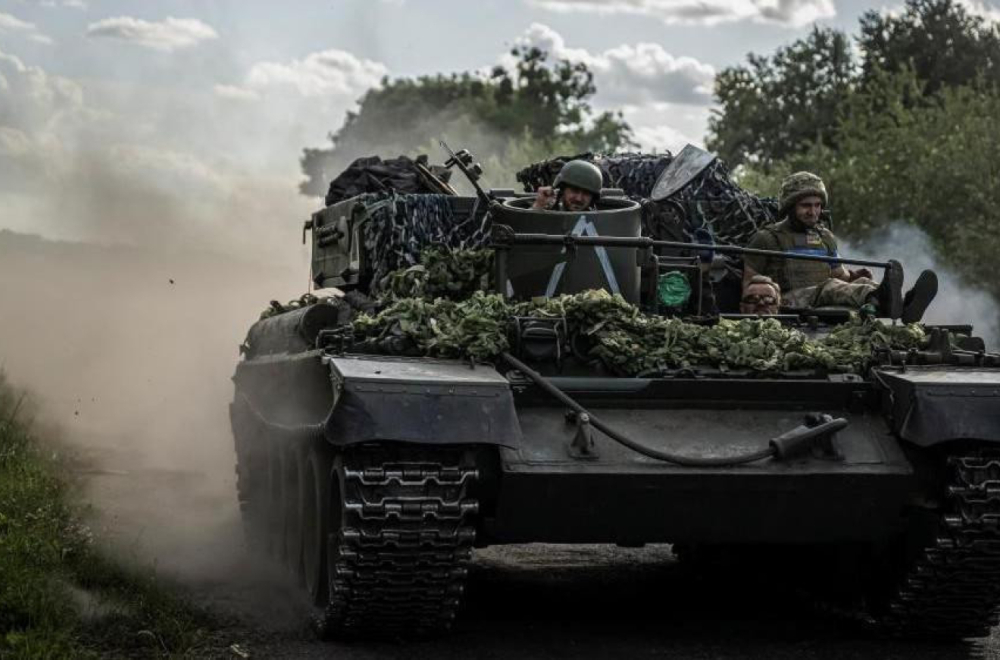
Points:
(537, 601)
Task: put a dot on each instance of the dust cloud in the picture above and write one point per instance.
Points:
(129, 351)
(957, 302)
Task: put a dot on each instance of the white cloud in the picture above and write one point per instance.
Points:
(73, 4)
(13, 142)
(631, 73)
(660, 138)
(13, 25)
(987, 10)
(170, 169)
(37, 111)
(236, 93)
(653, 120)
(166, 35)
(791, 13)
(327, 73)
(34, 101)
(146, 164)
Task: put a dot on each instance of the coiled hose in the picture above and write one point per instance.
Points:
(780, 447)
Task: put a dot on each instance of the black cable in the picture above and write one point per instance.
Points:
(677, 459)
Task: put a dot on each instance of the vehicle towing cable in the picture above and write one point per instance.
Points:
(781, 447)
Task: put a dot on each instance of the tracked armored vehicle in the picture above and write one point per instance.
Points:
(374, 476)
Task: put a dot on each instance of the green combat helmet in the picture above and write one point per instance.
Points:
(581, 174)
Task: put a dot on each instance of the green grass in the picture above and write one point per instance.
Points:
(60, 597)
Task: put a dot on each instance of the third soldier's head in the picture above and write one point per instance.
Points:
(803, 197)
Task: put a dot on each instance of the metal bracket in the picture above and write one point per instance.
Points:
(582, 446)
(539, 339)
(824, 446)
(814, 436)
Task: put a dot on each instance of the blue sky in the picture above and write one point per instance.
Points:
(204, 107)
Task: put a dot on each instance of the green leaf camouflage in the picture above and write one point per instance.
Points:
(606, 328)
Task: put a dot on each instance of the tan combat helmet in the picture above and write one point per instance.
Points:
(799, 185)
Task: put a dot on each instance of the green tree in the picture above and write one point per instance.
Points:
(537, 107)
(933, 165)
(943, 44)
(775, 106)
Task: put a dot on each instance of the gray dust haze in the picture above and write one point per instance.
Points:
(956, 301)
(129, 352)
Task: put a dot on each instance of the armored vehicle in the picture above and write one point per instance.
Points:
(374, 473)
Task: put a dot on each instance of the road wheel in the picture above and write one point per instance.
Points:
(294, 466)
(275, 502)
(315, 507)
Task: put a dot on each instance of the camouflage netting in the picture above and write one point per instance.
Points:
(372, 174)
(398, 230)
(710, 200)
(634, 173)
(713, 200)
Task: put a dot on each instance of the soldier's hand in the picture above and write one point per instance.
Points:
(545, 198)
(860, 272)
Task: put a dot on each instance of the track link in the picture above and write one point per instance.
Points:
(399, 559)
(953, 588)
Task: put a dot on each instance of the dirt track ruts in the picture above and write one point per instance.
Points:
(534, 601)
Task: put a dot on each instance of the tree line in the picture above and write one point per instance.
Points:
(525, 111)
(902, 120)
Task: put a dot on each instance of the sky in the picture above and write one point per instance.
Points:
(173, 121)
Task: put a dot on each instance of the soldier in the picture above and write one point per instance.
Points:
(577, 188)
(762, 295)
(817, 283)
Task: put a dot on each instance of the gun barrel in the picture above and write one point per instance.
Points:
(505, 239)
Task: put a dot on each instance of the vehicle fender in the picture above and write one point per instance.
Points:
(932, 405)
(419, 400)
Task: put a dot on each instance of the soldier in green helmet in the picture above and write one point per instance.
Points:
(577, 188)
(817, 283)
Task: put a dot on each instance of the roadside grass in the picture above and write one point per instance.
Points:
(60, 596)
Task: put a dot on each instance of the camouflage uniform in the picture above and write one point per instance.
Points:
(805, 283)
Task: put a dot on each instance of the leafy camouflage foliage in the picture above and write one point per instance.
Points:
(443, 273)
(474, 328)
(614, 332)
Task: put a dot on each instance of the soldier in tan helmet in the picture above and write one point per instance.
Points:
(816, 283)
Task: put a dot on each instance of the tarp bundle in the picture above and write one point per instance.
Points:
(711, 199)
(634, 173)
(400, 227)
(372, 174)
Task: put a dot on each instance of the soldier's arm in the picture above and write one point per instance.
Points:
(545, 198)
(756, 264)
(839, 271)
